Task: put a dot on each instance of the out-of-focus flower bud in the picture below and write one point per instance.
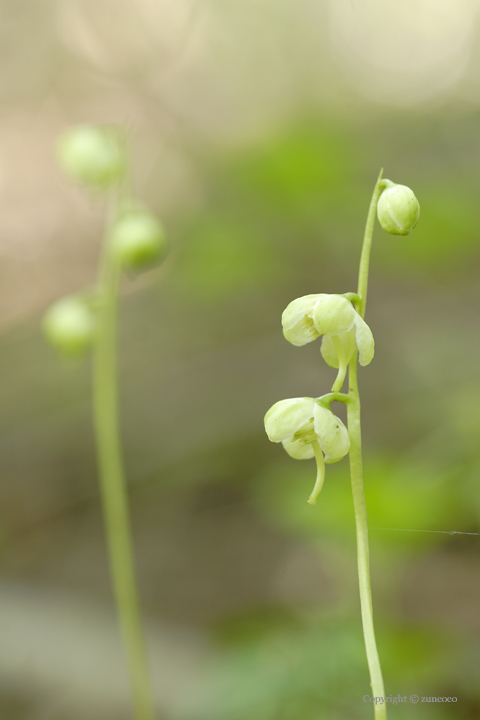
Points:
(69, 326)
(398, 210)
(92, 155)
(137, 240)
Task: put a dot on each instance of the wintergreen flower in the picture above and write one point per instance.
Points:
(298, 422)
(307, 429)
(333, 317)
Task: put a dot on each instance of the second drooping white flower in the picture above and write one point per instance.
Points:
(299, 422)
(307, 429)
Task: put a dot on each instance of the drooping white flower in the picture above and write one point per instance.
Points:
(332, 316)
(298, 422)
(307, 429)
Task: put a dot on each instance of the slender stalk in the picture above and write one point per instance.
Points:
(113, 489)
(327, 399)
(367, 244)
(356, 473)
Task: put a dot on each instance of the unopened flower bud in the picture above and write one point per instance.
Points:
(398, 210)
(69, 326)
(137, 240)
(92, 155)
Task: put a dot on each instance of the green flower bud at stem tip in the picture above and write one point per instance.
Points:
(69, 326)
(398, 210)
(137, 239)
(92, 155)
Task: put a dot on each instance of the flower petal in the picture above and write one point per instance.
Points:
(298, 327)
(365, 341)
(329, 353)
(298, 450)
(332, 434)
(333, 315)
(286, 417)
(332, 461)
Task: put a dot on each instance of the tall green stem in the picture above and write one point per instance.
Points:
(113, 489)
(356, 473)
(367, 244)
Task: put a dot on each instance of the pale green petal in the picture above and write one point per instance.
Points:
(329, 353)
(298, 327)
(333, 315)
(298, 450)
(286, 417)
(349, 344)
(365, 341)
(332, 461)
(332, 434)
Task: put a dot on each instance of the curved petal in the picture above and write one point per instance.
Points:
(286, 417)
(332, 461)
(329, 353)
(365, 341)
(332, 434)
(333, 315)
(298, 327)
(298, 450)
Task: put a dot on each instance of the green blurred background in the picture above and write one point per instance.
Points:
(258, 129)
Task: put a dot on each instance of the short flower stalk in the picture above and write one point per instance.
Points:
(307, 427)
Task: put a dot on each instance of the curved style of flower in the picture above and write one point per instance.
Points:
(307, 429)
(343, 330)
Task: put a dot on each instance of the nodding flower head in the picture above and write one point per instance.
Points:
(306, 429)
(299, 422)
(333, 317)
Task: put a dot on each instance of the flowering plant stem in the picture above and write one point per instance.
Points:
(354, 429)
(113, 487)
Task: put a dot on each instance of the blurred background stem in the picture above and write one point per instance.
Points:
(112, 483)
